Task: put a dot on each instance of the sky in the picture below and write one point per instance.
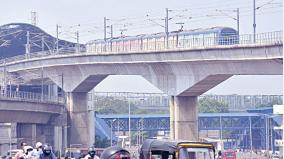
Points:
(146, 16)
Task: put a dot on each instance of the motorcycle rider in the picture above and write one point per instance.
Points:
(91, 154)
(28, 152)
(21, 152)
(37, 151)
(47, 152)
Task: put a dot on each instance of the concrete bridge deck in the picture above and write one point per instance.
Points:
(20, 107)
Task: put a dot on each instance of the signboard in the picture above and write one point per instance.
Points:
(278, 109)
(278, 143)
(277, 128)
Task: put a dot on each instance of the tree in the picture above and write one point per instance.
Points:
(207, 105)
(111, 105)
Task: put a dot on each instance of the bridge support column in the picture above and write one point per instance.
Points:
(185, 117)
(172, 117)
(58, 138)
(79, 120)
(34, 139)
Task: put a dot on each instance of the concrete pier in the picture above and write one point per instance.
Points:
(185, 118)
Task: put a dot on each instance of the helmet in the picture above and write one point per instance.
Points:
(27, 149)
(115, 152)
(92, 151)
(46, 149)
(38, 145)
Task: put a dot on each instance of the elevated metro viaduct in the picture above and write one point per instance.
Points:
(183, 74)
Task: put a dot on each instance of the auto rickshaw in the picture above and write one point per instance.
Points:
(176, 149)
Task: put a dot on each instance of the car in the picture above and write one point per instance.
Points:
(13, 152)
(229, 154)
(275, 156)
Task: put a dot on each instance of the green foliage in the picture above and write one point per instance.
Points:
(110, 105)
(266, 105)
(207, 105)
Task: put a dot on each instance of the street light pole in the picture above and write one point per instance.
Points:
(111, 131)
(250, 134)
(266, 133)
(142, 136)
(129, 124)
(221, 132)
(10, 139)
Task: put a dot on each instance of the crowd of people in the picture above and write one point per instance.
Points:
(41, 151)
(44, 151)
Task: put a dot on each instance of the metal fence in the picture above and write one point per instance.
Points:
(30, 97)
(110, 47)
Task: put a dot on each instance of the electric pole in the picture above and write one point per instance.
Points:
(78, 44)
(33, 18)
(5, 79)
(42, 43)
(111, 31)
(42, 84)
(57, 39)
(238, 21)
(105, 19)
(28, 47)
(121, 32)
(167, 27)
(254, 25)
(180, 30)
(111, 35)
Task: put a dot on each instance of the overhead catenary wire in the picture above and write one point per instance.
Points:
(188, 14)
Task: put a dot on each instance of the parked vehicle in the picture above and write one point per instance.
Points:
(13, 152)
(229, 154)
(165, 149)
(275, 156)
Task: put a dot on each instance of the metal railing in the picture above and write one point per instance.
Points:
(152, 45)
(184, 43)
(30, 97)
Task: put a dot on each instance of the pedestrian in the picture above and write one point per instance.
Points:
(219, 155)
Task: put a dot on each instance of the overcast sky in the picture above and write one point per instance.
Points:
(131, 15)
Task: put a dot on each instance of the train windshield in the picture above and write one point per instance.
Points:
(196, 153)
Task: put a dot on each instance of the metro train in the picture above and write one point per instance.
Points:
(176, 39)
